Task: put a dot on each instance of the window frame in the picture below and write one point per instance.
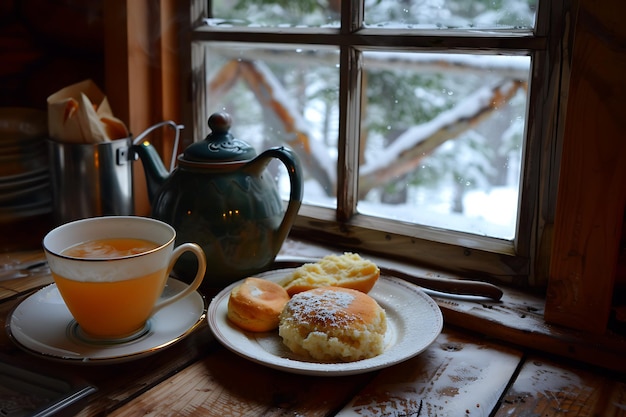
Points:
(472, 256)
(557, 232)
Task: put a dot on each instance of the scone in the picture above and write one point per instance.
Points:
(256, 304)
(348, 271)
(333, 324)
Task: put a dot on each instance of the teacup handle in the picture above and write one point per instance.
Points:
(185, 247)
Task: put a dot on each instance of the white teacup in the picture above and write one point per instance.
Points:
(112, 294)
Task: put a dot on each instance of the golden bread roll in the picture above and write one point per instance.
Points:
(347, 271)
(256, 303)
(333, 324)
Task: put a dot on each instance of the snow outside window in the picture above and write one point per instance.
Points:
(412, 111)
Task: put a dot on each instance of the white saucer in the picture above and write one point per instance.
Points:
(42, 325)
(414, 321)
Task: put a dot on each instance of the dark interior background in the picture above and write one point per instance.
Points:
(46, 45)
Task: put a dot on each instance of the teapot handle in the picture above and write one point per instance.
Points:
(292, 163)
(177, 128)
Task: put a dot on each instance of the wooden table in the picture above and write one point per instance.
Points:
(460, 374)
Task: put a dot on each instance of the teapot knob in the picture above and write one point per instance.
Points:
(220, 122)
(219, 145)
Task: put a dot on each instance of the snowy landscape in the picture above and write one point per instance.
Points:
(467, 182)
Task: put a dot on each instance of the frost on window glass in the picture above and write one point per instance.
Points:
(275, 13)
(443, 140)
(450, 14)
(422, 14)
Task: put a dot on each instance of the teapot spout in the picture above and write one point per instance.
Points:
(155, 170)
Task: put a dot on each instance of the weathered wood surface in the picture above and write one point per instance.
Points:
(20, 273)
(545, 388)
(119, 383)
(458, 375)
(224, 384)
(455, 374)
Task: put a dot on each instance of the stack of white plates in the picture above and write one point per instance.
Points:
(24, 177)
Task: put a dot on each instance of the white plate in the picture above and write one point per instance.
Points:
(413, 322)
(42, 325)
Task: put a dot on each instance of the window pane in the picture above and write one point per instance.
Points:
(281, 95)
(483, 14)
(444, 136)
(275, 13)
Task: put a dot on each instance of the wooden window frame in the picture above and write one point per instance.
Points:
(465, 254)
(147, 82)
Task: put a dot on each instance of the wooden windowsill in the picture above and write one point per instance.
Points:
(518, 318)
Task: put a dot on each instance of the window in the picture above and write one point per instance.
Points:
(427, 130)
(568, 242)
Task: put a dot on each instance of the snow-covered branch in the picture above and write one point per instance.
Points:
(417, 142)
(282, 114)
(401, 157)
(514, 67)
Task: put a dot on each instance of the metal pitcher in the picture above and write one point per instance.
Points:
(89, 180)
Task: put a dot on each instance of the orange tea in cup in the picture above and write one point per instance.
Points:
(136, 296)
(110, 248)
(111, 282)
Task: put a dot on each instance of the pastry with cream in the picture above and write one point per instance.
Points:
(347, 271)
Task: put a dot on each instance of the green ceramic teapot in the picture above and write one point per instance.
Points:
(221, 197)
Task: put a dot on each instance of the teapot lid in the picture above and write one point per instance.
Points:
(219, 145)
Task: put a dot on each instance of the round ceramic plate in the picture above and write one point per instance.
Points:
(42, 325)
(413, 322)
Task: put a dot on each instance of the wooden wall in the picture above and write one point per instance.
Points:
(592, 187)
(44, 46)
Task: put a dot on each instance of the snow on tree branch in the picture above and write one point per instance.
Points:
(417, 142)
(401, 157)
(284, 116)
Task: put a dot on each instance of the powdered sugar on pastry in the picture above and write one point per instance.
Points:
(333, 323)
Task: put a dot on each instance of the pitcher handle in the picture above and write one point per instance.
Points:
(174, 126)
